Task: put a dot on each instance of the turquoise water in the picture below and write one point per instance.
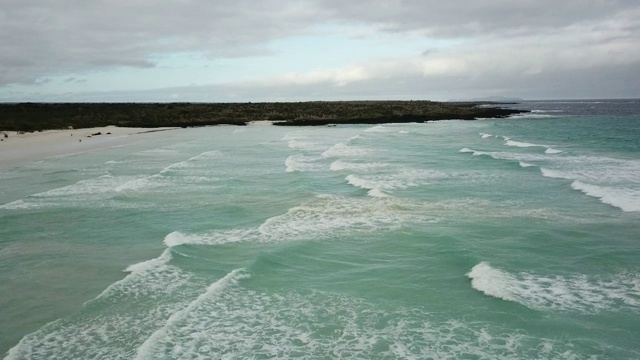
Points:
(490, 239)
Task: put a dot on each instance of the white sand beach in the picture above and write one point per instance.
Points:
(17, 148)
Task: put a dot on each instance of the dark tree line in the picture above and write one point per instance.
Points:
(42, 116)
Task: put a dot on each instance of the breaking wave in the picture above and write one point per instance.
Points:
(581, 293)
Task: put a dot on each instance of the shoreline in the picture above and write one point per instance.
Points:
(40, 116)
(34, 131)
(23, 147)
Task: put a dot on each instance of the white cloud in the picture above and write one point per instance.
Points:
(488, 43)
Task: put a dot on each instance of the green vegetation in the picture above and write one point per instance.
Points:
(43, 116)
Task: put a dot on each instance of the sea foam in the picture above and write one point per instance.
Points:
(623, 198)
(344, 150)
(326, 216)
(375, 189)
(307, 145)
(522, 144)
(378, 184)
(178, 238)
(340, 165)
(90, 192)
(613, 181)
(121, 311)
(580, 293)
(525, 164)
(303, 141)
(548, 149)
(301, 163)
(148, 349)
(378, 129)
(252, 324)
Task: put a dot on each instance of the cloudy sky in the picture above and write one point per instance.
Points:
(285, 50)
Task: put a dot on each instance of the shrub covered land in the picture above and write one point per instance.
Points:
(43, 116)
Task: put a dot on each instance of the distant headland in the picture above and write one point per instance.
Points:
(46, 116)
(493, 99)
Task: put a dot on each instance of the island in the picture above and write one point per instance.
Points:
(30, 117)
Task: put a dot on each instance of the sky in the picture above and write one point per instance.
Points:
(306, 50)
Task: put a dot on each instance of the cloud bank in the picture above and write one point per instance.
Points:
(533, 49)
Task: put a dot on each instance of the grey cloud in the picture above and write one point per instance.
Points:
(478, 17)
(428, 52)
(40, 38)
(505, 42)
(555, 84)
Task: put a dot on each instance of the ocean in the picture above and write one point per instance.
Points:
(513, 238)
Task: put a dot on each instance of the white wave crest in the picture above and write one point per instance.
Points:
(164, 258)
(329, 216)
(186, 171)
(246, 324)
(522, 144)
(121, 311)
(147, 349)
(615, 182)
(377, 129)
(82, 193)
(361, 183)
(401, 179)
(326, 216)
(301, 163)
(344, 150)
(149, 269)
(18, 204)
(138, 184)
(377, 193)
(581, 293)
(178, 238)
(491, 281)
(555, 174)
(626, 199)
(204, 156)
(525, 164)
(549, 149)
(373, 188)
(473, 152)
(532, 116)
(340, 165)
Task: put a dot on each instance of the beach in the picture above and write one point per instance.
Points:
(21, 147)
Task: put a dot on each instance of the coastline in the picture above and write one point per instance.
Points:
(40, 116)
(32, 131)
(22, 147)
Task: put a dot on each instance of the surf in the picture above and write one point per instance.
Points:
(572, 293)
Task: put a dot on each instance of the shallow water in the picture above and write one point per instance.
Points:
(512, 238)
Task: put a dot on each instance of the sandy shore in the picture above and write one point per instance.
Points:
(17, 148)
